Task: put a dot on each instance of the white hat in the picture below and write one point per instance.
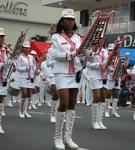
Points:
(33, 52)
(111, 46)
(68, 13)
(26, 44)
(2, 31)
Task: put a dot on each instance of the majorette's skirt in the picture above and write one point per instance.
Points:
(52, 80)
(65, 81)
(25, 83)
(96, 83)
(3, 90)
(109, 84)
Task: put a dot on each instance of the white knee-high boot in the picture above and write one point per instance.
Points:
(54, 105)
(21, 108)
(26, 105)
(107, 105)
(33, 102)
(70, 115)
(59, 145)
(95, 116)
(1, 130)
(101, 108)
(114, 108)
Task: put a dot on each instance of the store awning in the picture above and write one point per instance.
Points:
(131, 52)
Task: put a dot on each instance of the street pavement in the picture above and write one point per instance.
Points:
(36, 133)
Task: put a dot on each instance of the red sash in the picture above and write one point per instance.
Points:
(71, 62)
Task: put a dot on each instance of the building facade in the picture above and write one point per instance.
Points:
(17, 15)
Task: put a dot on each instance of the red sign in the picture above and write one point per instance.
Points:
(40, 47)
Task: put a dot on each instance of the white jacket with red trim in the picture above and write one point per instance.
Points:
(23, 64)
(63, 55)
(94, 65)
(3, 59)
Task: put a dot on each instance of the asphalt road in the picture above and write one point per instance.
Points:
(36, 133)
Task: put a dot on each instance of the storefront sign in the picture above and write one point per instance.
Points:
(128, 43)
(15, 8)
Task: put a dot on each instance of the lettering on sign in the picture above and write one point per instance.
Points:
(128, 43)
(15, 8)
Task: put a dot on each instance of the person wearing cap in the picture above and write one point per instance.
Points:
(112, 87)
(54, 102)
(35, 90)
(26, 71)
(95, 65)
(65, 44)
(50, 63)
(3, 86)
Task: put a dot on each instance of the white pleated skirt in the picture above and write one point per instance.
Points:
(3, 90)
(52, 80)
(96, 83)
(65, 81)
(109, 84)
(25, 83)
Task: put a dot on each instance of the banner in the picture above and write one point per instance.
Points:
(40, 47)
(128, 43)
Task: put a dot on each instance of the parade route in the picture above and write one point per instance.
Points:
(36, 133)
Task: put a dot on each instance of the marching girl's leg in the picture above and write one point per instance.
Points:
(101, 108)
(60, 116)
(107, 102)
(54, 103)
(89, 94)
(66, 108)
(33, 99)
(27, 102)
(1, 107)
(8, 101)
(42, 90)
(115, 103)
(95, 109)
(22, 102)
(70, 116)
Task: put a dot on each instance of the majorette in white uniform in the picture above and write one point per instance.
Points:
(3, 74)
(26, 71)
(111, 88)
(45, 82)
(54, 102)
(109, 84)
(96, 76)
(65, 68)
(35, 91)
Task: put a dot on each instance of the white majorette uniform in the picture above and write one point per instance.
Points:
(64, 67)
(3, 59)
(26, 71)
(45, 71)
(50, 63)
(54, 103)
(94, 70)
(96, 76)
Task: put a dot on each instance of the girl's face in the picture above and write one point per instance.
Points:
(26, 50)
(68, 23)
